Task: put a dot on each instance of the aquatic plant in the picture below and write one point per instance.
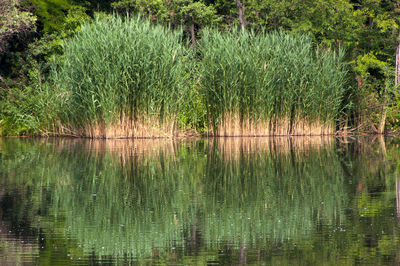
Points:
(269, 83)
(120, 77)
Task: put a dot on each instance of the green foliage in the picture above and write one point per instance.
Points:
(19, 113)
(377, 85)
(173, 12)
(367, 62)
(377, 75)
(191, 15)
(51, 13)
(27, 109)
(51, 44)
(189, 11)
(13, 22)
(155, 9)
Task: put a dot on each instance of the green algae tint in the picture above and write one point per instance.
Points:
(266, 201)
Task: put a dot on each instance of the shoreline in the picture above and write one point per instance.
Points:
(204, 136)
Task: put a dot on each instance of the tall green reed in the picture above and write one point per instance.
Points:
(269, 76)
(120, 66)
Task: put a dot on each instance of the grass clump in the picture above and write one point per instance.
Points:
(269, 84)
(120, 77)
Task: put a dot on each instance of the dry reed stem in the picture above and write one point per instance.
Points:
(125, 127)
(232, 125)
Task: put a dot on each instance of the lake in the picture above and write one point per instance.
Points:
(279, 201)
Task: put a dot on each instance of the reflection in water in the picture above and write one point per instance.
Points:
(228, 201)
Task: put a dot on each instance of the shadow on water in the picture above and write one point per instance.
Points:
(306, 200)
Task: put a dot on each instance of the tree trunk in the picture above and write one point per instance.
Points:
(398, 197)
(192, 35)
(396, 83)
(240, 7)
(397, 71)
(381, 128)
(382, 144)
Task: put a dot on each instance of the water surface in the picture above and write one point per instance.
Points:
(226, 201)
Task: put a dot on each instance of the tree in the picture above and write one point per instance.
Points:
(13, 22)
(194, 13)
(191, 14)
(240, 7)
(50, 13)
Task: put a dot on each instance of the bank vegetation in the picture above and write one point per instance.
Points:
(126, 77)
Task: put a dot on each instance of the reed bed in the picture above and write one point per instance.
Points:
(120, 77)
(125, 77)
(269, 84)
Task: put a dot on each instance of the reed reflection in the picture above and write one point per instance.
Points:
(231, 200)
